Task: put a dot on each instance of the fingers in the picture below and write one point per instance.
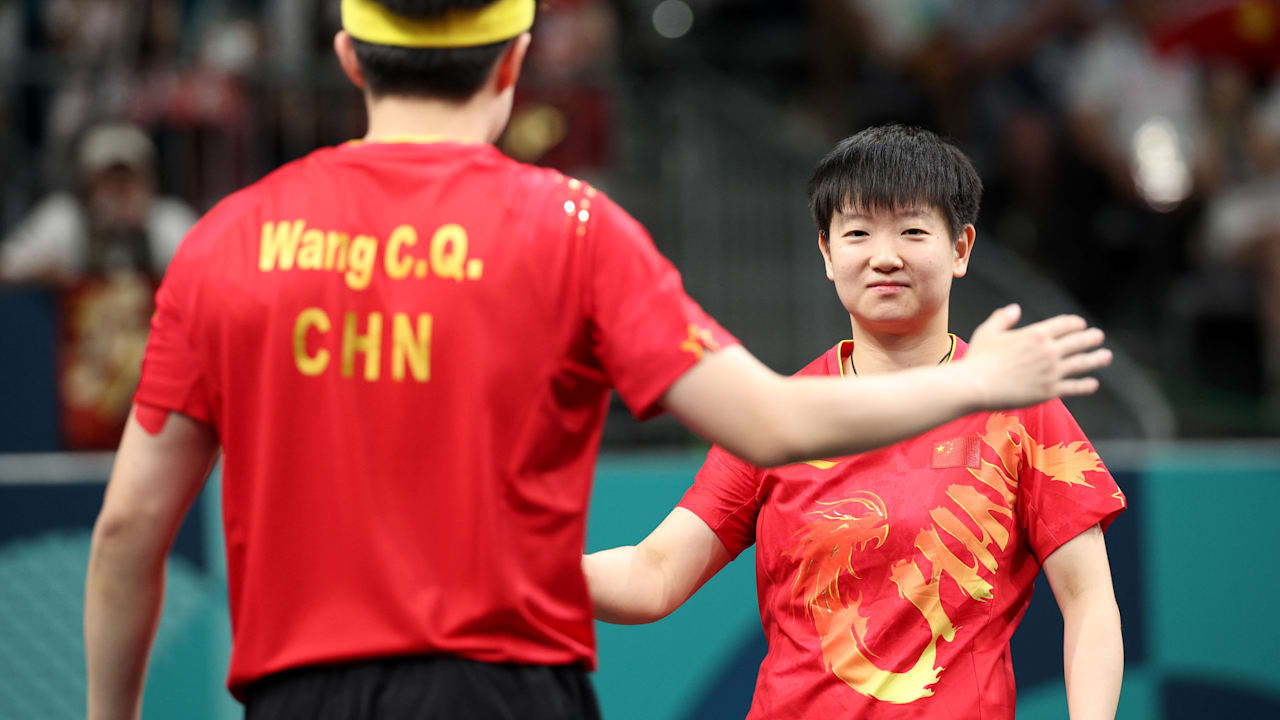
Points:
(1078, 342)
(1085, 362)
(1013, 313)
(1056, 327)
(1002, 319)
(1077, 386)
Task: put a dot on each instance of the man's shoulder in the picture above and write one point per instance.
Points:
(242, 205)
(561, 189)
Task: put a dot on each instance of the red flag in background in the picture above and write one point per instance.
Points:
(1246, 32)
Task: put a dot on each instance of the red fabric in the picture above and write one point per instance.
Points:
(889, 586)
(151, 418)
(378, 501)
(1246, 32)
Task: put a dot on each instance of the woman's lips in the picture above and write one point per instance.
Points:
(887, 288)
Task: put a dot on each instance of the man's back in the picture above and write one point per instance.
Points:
(406, 349)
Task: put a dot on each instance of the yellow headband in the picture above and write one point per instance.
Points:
(370, 21)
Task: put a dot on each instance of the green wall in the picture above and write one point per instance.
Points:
(1193, 559)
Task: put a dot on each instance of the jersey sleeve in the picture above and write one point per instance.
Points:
(646, 331)
(1065, 488)
(726, 496)
(174, 373)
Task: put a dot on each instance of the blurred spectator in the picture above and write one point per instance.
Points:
(104, 323)
(1001, 84)
(1242, 226)
(1136, 118)
(999, 81)
(563, 112)
(1136, 113)
(115, 221)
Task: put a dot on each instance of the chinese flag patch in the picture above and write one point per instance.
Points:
(958, 452)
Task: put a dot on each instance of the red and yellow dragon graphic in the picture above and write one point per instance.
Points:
(827, 546)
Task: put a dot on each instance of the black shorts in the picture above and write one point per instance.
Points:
(424, 688)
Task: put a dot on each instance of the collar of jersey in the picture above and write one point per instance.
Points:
(840, 352)
(410, 138)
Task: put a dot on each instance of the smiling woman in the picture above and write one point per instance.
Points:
(892, 250)
(893, 269)
(891, 581)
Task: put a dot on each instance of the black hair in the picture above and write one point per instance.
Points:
(446, 73)
(895, 167)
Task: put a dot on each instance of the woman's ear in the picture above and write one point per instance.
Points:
(963, 250)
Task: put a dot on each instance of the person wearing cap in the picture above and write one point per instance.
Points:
(114, 222)
(404, 348)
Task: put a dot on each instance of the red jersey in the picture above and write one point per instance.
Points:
(406, 351)
(890, 582)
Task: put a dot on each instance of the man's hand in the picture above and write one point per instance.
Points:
(1016, 368)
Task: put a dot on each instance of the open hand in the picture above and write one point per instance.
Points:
(1013, 368)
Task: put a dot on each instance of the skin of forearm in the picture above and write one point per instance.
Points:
(627, 585)
(123, 595)
(733, 400)
(873, 412)
(1093, 655)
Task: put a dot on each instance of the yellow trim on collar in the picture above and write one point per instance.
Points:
(412, 138)
(840, 354)
(371, 22)
(951, 354)
(946, 359)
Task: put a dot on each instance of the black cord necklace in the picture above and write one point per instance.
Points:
(945, 358)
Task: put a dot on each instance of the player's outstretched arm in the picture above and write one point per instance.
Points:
(154, 481)
(732, 399)
(1092, 647)
(646, 582)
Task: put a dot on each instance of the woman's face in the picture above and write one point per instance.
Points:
(893, 268)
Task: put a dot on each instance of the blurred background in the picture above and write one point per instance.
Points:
(1131, 155)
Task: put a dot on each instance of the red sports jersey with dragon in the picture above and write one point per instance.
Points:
(406, 350)
(890, 582)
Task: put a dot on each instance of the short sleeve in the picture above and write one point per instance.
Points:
(726, 495)
(646, 331)
(173, 371)
(1065, 488)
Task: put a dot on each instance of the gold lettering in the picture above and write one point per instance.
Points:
(279, 244)
(415, 347)
(363, 251)
(335, 250)
(1004, 434)
(982, 510)
(307, 319)
(370, 344)
(311, 256)
(399, 268)
(995, 478)
(944, 561)
(449, 252)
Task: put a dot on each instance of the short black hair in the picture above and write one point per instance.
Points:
(446, 73)
(893, 167)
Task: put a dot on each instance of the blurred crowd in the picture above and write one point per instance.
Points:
(1130, 148)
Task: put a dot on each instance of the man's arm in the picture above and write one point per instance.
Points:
(1093, 650)
(646, 582)
(733, 400)
(155, 479)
